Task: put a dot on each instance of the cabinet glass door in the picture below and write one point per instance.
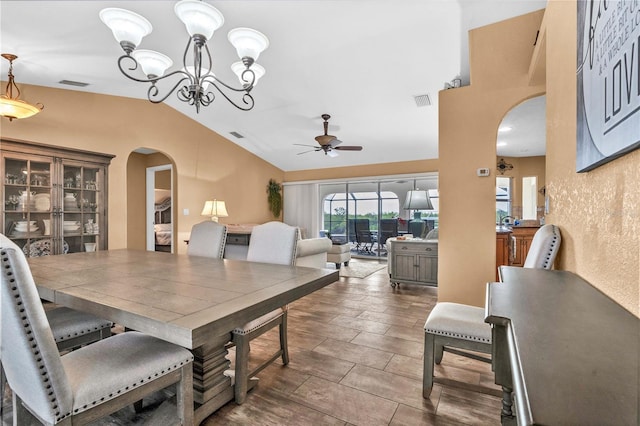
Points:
(28, 203)
(81, 207)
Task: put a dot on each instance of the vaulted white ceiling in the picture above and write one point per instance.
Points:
(362, 61)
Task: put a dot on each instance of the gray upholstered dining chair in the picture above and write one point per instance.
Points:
(207, 239)
(88, 383)
(71, 329)
(455, 325)
(272, 242)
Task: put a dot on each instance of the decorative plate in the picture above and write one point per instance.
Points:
(42, 248)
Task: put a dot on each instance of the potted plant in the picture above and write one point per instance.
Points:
(274, 197)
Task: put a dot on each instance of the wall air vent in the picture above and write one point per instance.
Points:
(73, 83)
(237, 135)
(422, 100)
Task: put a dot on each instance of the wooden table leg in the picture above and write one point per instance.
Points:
(211, 388)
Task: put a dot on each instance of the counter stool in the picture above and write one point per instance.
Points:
(339, 253)
(457, 325)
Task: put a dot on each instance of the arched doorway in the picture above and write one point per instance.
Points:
(150, 185)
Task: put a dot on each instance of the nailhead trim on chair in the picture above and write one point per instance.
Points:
(242, 331)
(459, 336)
(34, 346)
(552, 246)
(80, 333)
(224, 243)
(133, 385)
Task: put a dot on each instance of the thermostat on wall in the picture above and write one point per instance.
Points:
(483, 172)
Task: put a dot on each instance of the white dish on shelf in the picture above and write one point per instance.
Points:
(42, 202)
(25, 222)
(32, 228)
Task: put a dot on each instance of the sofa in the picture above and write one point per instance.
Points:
(312, 252)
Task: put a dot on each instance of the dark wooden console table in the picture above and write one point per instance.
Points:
(568, 352)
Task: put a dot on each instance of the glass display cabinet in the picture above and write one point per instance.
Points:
(54, 200)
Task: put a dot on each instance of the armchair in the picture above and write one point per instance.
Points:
(454, 325)
(312, 252)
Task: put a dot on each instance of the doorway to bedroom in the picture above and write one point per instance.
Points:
(159, 209)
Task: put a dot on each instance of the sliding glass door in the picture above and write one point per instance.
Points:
(366, 213)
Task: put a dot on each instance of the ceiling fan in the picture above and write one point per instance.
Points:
(329, 143)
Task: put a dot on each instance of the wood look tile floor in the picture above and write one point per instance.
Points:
(356, 351)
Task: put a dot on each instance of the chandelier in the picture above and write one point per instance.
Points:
(11, 107)
(194, 81)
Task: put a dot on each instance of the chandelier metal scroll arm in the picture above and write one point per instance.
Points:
(134, 67)
(153, 90)
(247, 99)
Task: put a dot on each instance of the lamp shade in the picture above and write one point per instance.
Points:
(214, 209)
(153, 64)
(248, 43)
(199, 17)
(418, 200)
(16, 108)
(238, 68)
(125, 25)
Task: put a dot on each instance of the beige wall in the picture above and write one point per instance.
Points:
(598, 211)
(381, 169)
(468, 124)
(211, 167)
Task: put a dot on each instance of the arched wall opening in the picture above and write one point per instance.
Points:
(138, 162)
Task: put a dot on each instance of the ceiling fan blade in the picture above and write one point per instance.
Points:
(349, 148)
(304, 152)
(308, 146)
(331, 153)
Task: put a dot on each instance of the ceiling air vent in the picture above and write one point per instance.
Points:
(73, 83)
(422, 100)
(237, 135)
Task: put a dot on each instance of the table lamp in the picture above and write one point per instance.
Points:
(214, 209)
(417, 200)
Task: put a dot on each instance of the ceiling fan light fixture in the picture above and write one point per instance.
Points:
(199, 17)
(128, 27)
(329, 143)
(12, 107)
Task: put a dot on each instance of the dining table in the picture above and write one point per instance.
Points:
(194, 302)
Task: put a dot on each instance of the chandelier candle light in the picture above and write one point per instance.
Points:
(15, 108)
(194, 79)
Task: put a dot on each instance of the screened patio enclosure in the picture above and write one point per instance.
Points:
(365, 214)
